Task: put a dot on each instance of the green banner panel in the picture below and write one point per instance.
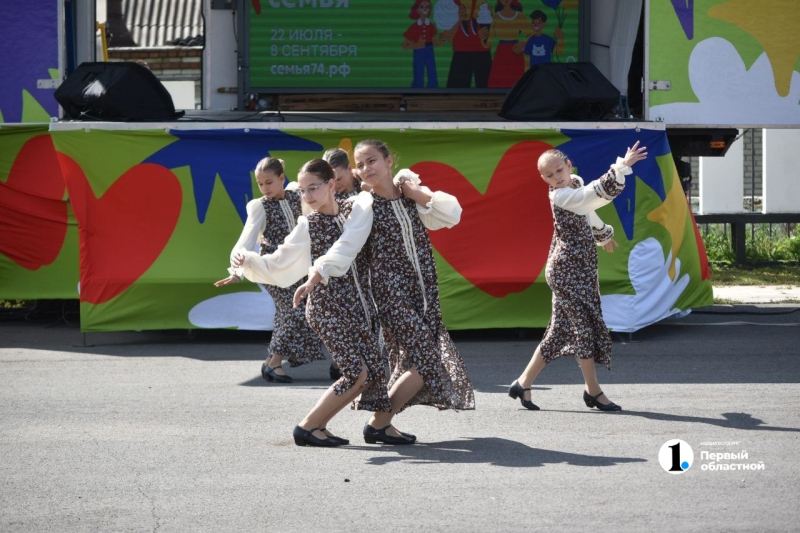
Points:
(159, 212)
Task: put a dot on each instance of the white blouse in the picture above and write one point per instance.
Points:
(442, 211)
(283, 268)
(256, 223)
(587, 198)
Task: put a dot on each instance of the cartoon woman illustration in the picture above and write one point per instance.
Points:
(511, 28)
(419, 37)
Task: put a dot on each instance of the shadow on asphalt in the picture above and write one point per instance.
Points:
(742, 421)
(487, 450)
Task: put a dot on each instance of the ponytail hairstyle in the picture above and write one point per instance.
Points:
(320, 168)
(270, 164)
(378, 145)
(337, 157)
(551, 154)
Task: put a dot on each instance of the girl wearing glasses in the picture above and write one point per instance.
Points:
(346, 184)
(426, 368)
(340, 311)
(576, 326)
(269, 220)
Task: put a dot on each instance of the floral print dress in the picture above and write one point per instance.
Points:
(576, 326)
(406, 291)
(394, 236)
(343, 315)
(291, 336)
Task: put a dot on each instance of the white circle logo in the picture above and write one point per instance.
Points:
(676, 456)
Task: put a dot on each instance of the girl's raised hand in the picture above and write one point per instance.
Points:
(634, 154)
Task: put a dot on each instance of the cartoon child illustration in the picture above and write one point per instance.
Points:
(420, 37)
(540, 47)
(511, 28)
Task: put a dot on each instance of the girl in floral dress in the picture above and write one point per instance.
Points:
(339, 311)
(576, 326)
(426, 368)
(346, 184)
(269, 220)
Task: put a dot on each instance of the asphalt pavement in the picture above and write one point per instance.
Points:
(172, 431)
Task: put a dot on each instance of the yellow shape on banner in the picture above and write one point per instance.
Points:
(346, 144)
(774, 25)
(672, 215)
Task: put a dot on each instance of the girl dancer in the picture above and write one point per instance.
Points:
(425, 365)
(338, 311)
(271, 218)
(576, 326)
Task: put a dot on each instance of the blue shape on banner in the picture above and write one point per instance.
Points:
(593, 155)
(231, 154)
(29, 48)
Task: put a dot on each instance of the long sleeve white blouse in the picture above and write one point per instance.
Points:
(585, 199)
(284, 267)
(254, 226)
(442, 211)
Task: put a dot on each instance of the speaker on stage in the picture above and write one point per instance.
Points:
(560, 91)
(115, 91)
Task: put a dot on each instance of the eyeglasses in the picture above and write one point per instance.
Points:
(310, 190)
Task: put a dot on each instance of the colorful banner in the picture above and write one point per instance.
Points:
(416, 44)
(728, 62)
(158, 212)
(39, 235)
(28, 54)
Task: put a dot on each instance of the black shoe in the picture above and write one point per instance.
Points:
(335, 372)
(268, 373)
(304, 437)
(373, 436)
(340, 440)
(591, 401)
(516, 391)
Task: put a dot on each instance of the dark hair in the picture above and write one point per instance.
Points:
(554, 153)
(375, 143)
(414, 15)
(337, 157)
(320, 168)
(515, 5)
(270, 164)
(538, 15)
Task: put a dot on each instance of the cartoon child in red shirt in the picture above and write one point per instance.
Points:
(420, 37)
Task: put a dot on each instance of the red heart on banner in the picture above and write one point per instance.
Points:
(502, 241)
(33, 213)
(124, 231)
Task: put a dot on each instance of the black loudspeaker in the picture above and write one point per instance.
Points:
(562, 91)
(115, 91)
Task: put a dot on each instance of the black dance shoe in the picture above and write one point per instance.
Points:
(516, 391)
(335, 372)
(373, 436)
(269, 374)
(305, 437)
(591, 401)
(334, 437)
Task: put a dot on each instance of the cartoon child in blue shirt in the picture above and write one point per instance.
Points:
(539, 48)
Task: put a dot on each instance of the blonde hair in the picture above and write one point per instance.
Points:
(551, 154)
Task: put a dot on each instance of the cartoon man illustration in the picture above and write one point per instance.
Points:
(471, 47)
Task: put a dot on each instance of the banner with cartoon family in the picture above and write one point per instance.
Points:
(415, 44)
(158, 211)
